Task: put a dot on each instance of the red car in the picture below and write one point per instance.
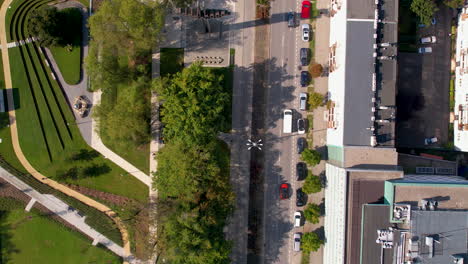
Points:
(284, 191)
(306, 5)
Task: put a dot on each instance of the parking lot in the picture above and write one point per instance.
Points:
(423, 88)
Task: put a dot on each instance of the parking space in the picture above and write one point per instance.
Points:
(423, 87)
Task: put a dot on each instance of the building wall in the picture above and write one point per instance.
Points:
(461, 83)
(335, 220)
(336, 79)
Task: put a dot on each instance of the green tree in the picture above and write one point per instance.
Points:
(424, 9)
(315, 100)
(194, 103)
(127, 119)
(44, 24)
(312, 213)
(311, 157)
(311, 242)
(312, 184)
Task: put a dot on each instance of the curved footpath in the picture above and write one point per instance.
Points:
(16, 146)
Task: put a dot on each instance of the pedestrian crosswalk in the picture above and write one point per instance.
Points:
(21, 42)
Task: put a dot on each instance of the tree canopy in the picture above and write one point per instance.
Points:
(193, 105)
(312, 213)
(312, 184)
(311, 157)
(424, 9)
(311, 242)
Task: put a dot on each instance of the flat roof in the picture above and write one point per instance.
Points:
(447, 197)
(358, 78)
(361, 9)
(375, 217)
(448, 228)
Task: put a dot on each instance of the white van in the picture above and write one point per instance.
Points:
(297, 242)
(287, 121)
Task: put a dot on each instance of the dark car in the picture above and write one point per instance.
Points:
(301, 142)
(304, 78)
(291, 19)
(301, 171)
(284, 191)
(304, 55)
(301, 198)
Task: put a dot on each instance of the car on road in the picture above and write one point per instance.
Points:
(304, 78)
(284, 191)
(304, 56)
(297, 242)
(429, 39)
(301, 171)
(301, 198)
(425, 50)
(305, 10)
(297, 219)
(291, 19)
(429, 141)
(301, 126)
(302, 101)
(301, 142)
(305, 32)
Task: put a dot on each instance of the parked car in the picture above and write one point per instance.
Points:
(429, 39)
(305, 32)
(429, 141)
(301, 142)
(301, 198)
(297, 219)
(425, 50)
(297, 242)
(291, 19)
(301, 171)
(284, 191)
(301, 126)
(304, 55)
(304, 78)
(433, 21)
(305, 11)
(302, 101)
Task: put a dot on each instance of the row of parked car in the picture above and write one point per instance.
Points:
(427, 40)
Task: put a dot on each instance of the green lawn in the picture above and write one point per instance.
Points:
(69, 58)
(62, 140)
(172, 61)
(31, 238)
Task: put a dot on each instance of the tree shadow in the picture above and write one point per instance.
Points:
(321, 233)
(8, 247)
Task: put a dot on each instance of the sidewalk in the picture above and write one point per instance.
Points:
(322, 39)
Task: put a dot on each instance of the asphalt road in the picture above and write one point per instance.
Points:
(280, 150)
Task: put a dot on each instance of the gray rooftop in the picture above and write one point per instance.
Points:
(361, 64)
(449, 228)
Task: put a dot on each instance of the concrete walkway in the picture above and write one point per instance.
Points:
(19, 153)
(61, 209)
(21, 42)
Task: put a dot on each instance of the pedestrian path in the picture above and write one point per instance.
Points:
(62, 210)
(21, 42)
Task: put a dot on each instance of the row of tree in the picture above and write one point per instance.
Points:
(192, 179)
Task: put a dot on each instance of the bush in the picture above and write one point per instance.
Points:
(312, 213)
(311, 157)
(315, 100)
(316, 70)
(311, 242)
(312, 184)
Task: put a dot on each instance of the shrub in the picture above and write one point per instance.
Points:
(312, 213)
(311, 157)
(315, 100)
(312, 184)
(316, 70)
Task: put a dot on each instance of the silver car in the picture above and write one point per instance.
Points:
(297, 242)
(302, 101)
(305, 32)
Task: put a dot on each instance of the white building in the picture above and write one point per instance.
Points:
(461, 84)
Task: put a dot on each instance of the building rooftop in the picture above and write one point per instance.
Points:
(447, 230)
(370, 89)
(374, 217)
(461, 84)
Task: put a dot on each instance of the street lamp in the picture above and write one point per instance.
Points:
(257, 144)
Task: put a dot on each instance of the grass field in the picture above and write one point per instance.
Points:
(69, 58)
(28, 237)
